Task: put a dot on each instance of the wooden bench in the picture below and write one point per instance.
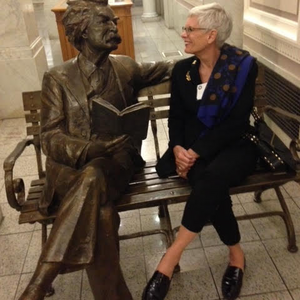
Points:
(146, 189)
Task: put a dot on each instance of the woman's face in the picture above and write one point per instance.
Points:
(195, 38)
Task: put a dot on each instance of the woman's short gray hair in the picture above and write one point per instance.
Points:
(214, 16)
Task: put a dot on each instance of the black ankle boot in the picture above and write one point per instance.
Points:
(157, 287)
(232, 282)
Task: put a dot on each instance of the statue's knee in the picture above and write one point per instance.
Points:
(94, 176)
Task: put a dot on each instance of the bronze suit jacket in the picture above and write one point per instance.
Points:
(65, 116)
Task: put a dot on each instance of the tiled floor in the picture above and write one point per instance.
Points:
(272, 272)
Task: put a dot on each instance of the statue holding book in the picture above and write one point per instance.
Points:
(87, 169)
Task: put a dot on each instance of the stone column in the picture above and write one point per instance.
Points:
(41, 21)
(22, 56)
(149, 14)
(168, 13)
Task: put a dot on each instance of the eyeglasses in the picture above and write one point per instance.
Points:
(188, 30)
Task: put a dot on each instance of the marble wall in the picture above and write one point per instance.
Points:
(50, 18)
(273, 38)
(178, 10)
(22, 56)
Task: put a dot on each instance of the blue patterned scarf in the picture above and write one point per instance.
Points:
(224, 86)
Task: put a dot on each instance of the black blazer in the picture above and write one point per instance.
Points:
(185, 127)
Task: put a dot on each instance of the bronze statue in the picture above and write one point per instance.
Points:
(85, 175)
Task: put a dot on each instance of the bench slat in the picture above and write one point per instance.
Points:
(38, 182)
(33, 196)
(160, 114)
(33, 117)
(34, 216)
(139, 189)
(31, 100)
(33, 130)
(36, 189)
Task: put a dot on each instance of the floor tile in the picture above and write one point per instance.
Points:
(135, 275)
(238, 210)
(266, 195)
(129, 214)
(194, 280)
(13, 249)
(25, 166)
(2, 192)
(292, 188)
(297, 201)
(12, 122)
(12, 133)
(34, 252)
(154, 244)
(273, 227)
(67, 286)
(131, 247)
(287, 263)
(10, 223)
(129, 225)
(176, 207)
(210, 237)
(193, 285)
(296, 294)
(269, 296)
(8, 287)
(86, 292)
(2, 172)
(6, 147)
(149, 211)
(150, 222)
(262, 279)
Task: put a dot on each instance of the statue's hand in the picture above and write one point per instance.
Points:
(101, 148)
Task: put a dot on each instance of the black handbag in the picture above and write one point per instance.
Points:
(272, 151)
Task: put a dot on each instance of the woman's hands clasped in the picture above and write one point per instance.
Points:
(184, 160)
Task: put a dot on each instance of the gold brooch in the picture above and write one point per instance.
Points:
(188, 76)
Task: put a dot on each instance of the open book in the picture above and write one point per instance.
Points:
(108, 120)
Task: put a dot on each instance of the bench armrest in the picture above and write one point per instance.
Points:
(295, 144)
(282, 112)
(15, 189)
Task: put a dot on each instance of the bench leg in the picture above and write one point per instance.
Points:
(165, 210)
(292, 247)
(161, 212)
(50, 289)
(257, 196)
(171, 232)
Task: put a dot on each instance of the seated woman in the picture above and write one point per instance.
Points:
(211, 101)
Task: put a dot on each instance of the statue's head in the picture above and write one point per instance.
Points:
(92, 22)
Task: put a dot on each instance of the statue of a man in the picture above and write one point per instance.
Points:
(85, 175)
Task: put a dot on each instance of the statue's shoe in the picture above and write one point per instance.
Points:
(157, 287)
(33, 292)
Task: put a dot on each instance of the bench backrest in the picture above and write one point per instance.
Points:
(157, 97)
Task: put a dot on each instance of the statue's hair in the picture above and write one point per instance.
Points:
(214, 16)
(77, 17)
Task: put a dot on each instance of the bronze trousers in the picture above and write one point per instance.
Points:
(85, 232)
